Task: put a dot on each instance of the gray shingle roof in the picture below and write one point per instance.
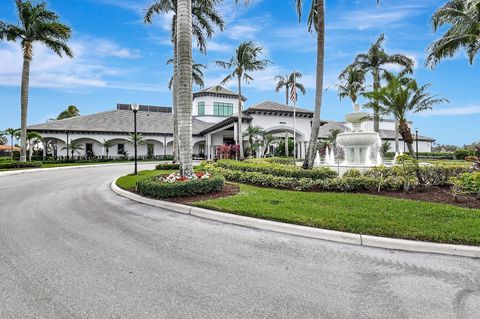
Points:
(217, 90)
(390, 135)
(273, 106)
(119, 121)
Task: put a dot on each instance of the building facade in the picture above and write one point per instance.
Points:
(214, 123)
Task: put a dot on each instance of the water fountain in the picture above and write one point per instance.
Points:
(361, 148)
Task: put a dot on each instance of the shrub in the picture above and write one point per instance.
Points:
(352, 173)
(167, 167)
(12, 165)
(154, 188)
(462, 153)
(277, 170)
(467, 183)
(280, 160)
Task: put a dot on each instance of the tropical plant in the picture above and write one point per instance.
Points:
(385, 148)
(37, 24)
(463, 19)
(402, 96)
(33, 139)
(197, 74)
(3, 139)
(253, 134)
(71, 111)
(136, 138)
(267, 140)
(246, 59)
(286, 81)
(352, 83)
(204, 18)
(107, 145)
(375, 62)
(73, 147)
(12, 132)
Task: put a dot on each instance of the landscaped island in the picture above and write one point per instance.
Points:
(373, 202)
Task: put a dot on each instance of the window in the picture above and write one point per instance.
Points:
(89, 150)
(201, 108)
(222, 109)
(150, 150)
(121, 149)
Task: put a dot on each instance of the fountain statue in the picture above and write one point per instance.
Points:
(359, 144)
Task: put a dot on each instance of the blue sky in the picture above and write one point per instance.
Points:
(118, 59)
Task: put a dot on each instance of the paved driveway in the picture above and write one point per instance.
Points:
(70, 248)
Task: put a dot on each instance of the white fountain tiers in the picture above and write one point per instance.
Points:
(357, 139)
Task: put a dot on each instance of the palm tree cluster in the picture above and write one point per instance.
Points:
(70, 112)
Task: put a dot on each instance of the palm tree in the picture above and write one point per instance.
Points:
(375, 62)
(197, 74)
(267, 140)
(12, 132)
(107, 145)
(136, 138)
(71, 111)
(402, 96)
(245, 59)
(33, 138)
(463, 17)
(253, 133)
(74, 148)
(3, 139)
(352, 83)
(37, 24)
(286, 82)
(205, 18)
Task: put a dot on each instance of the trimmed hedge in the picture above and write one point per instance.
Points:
(154, 188)
(167, 167)
(278, 170)
(12, 165)
(467, 183)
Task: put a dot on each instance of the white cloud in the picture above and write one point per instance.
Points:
(453, 111)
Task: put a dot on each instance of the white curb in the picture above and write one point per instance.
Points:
(37, 170)
(304, 231)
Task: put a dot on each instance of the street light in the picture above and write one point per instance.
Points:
(68, 155)
(416, 141)
(135, 108)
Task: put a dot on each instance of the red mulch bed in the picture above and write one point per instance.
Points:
(228, 190)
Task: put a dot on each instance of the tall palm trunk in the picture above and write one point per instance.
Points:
(312, 148)
(286, 95)
(24, 107)
(174, 101)
(397, 138)
(376, 107)
(239, 126)
(11, 145)
(184, 86)
(408, 138)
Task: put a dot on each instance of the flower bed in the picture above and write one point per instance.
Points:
(173, 185)
(167, 167)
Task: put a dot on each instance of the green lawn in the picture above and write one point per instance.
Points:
(129, 182)
(356, 213)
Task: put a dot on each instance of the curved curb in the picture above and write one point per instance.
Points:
(60, 168)
(304, 231)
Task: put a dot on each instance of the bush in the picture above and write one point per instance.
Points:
(12, 165)
(424, 155)
(462, 153)
(280, 160)
(467, 183)
(167, 167)
(154, 188)
(277, 169)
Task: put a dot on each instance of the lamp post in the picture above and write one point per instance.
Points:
(135, 108)
(68, 155)
(416, 141)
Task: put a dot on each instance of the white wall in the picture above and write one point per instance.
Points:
(209, 108)
(303, 124)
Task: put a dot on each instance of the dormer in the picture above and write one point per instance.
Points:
(215, 103)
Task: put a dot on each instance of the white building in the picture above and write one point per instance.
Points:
(214, 123)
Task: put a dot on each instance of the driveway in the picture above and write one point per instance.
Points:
(71, 248)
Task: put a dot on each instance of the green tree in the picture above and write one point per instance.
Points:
(375, 62)
(197, 74)
(286, 81)
(107, 145)
(463, 19)
(204, 19)
(254, 135)
(71, 111)
(402, 96)
(267, 140)
(73, 147)
(139, 138)
(3, 139)
(246, 59)
(12, 132)
(33, 138)
(352, 83)
(37, 24)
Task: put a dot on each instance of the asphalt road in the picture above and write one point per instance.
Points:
(70, 248)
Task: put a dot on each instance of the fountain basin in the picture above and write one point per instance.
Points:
(357, 139)
(357, 117)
